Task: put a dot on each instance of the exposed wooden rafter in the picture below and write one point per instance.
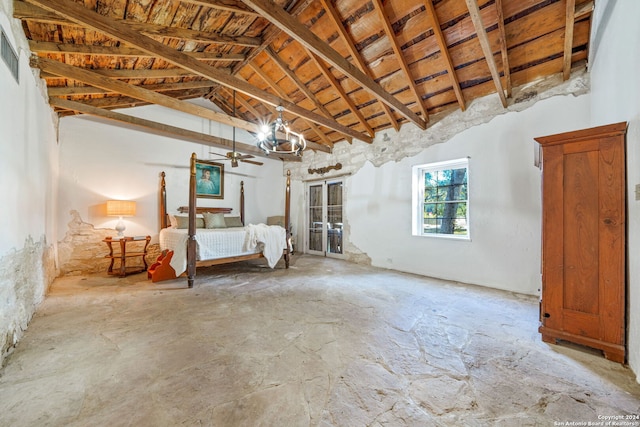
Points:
(164, 129)
(355, 55)
(397, 49)
(140, 74)
(83, 49)
(277, 16)
(296, 80)
(326, 72)
(474, 13)
(568, 38)
(122, 31)
(158, 87)
(247, 106)
(91, 78)
(225, 5)
(444, 51)
(40, 13)
(126, 101)
(503, 47)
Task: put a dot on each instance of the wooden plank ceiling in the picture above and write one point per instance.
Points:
(342, 69)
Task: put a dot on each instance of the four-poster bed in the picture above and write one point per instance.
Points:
(187, 246)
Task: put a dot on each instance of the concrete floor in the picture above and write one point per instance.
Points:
(325, 343)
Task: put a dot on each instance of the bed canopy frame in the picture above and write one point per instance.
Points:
(193, 209)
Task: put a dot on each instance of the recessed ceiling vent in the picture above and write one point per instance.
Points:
(9, 56)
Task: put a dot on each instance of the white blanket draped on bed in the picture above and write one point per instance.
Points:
(223, 243)
(272, 237)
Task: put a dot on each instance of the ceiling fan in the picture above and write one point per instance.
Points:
(234, 156)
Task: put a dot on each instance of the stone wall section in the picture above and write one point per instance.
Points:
(25, 277)
(82, 251)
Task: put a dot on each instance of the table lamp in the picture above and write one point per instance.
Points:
(121, 208)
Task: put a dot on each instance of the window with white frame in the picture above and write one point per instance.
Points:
(441, 199)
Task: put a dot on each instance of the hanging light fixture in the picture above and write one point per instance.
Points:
(269, 142)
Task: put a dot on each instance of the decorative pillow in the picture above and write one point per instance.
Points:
(216, 220)
(276, 220)
(182, 221)
(233, 221)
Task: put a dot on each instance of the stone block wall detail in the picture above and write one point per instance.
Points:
(25, 277)
(82, 250)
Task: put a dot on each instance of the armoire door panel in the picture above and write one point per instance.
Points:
(583, 324)
(580, 230)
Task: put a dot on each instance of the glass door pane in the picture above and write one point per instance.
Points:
(315, 225)
(334, 218)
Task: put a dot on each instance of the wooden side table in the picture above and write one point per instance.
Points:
(124, 255)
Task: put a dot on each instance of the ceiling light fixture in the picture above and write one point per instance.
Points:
(268, 141)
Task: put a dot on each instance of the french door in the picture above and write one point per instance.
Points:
(325, 233)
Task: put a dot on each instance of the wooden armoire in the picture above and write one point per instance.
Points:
(583, 239)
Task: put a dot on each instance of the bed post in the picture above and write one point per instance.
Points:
(163, 202)
(191, 242)
(287, 217)
(242, 202)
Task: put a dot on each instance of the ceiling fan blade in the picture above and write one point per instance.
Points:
(218, 154)
(244, 156)
(253, 162)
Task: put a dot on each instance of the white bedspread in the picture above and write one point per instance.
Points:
(224, 242)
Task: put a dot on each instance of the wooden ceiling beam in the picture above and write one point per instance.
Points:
(444, 51)
(506, 70)
(224, 5)
(112, 102)
(568, 38)
(284, 95)
(93, 79)
(138, 74)
(355, 55)
(160, 87)
(40, 13)
(277, 16)
(583, 10)
(164, 129)
(397, 50)
(121, 30)
(247, 106)
(147, 73)
(271, 33)
(83, 49)
(326, 72)
(481, 32)
(296, 80)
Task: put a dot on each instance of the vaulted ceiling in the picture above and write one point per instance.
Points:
(342, 69)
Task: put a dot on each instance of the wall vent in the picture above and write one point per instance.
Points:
(9, 56)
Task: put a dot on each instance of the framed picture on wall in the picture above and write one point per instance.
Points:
(209, 179)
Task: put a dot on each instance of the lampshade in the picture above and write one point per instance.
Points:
(121, 208)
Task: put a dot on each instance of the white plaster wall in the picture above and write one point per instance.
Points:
(504, 202)
(28, 190)
(101, 160)
(615, 61)
(28, 148)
